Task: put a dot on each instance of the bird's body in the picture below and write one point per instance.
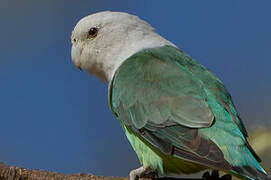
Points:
(177, 115)
(149, 91)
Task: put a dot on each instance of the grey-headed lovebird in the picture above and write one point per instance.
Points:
(177, 115)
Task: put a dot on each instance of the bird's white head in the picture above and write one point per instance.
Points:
(102, 41)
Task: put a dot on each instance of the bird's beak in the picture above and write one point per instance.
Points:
(76, 53)
(80, 69)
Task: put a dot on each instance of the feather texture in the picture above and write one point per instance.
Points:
(181, 109)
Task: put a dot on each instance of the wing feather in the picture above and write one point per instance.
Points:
(164, 96)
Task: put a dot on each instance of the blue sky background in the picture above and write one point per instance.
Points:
(56, 118)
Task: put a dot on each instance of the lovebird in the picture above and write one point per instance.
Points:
(177, 115)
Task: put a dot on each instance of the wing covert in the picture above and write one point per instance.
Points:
(149, 89)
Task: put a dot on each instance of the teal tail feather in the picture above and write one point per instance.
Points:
(250, 173)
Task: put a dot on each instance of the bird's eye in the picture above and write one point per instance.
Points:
(92, 33)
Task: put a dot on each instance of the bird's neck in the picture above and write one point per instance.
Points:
(126, 49)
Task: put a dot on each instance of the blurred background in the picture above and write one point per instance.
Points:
(55, 118)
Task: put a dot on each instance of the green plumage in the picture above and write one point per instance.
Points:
(178, 116)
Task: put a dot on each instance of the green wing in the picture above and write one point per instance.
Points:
(165, 97)
(157, 89)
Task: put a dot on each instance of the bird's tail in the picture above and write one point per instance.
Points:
(251, 173)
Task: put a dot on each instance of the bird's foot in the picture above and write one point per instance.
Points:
(142, 172)
(215, 176)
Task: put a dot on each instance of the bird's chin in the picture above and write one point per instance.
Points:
(100, 74)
